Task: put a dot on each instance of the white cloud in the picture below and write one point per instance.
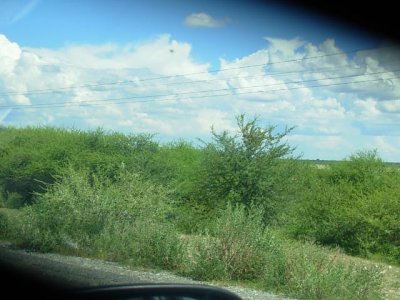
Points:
(162, 56)
(390, 106)
(283, 46)
(9, 55)
(331, 142)
(204, 20)
(385, 146)
(211, 117)
(367, 108)
(332, 121)
(322, 147)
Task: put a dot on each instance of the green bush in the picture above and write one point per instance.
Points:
(246, 167)
(232, 249)
(90, 213)
(13, 200)
(353, 204)
(181, 165)
(193, 217)
(142, 242)
(241, 239)
(4, 224)
(364, 172)
(202, 258)
(32, 158)
(380, 214)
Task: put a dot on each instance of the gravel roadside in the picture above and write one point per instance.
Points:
(83, 272)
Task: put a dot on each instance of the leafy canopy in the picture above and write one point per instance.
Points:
(243, 167)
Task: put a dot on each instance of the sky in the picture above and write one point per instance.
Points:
(176, 68)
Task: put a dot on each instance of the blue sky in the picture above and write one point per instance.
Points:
(54, 24)
(53, 53)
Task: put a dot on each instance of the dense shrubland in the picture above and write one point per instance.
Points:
(240, 207)
(355, 204)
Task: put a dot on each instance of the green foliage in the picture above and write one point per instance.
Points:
(182, 161)
(14, 200)
(233, 248)
(27, 164)
(4, 224)
(310, 272)
(95, 215)
(143, 242)
(354, 204)
(202, 258)
(380, 214)
(128, 198)
(32, 158)
(246, 167)
(238, 247)
(193, 217)
(241, 239)
(364, 171)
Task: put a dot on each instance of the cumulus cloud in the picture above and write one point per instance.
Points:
(43, 76)
(339, 104)
(154, 55)
(204, 20)
(9, 55)
(283, 46)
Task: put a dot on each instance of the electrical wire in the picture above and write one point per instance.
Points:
(124, 99)
(54, 90)
(223, 79)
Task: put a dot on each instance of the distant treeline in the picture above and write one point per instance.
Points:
(328, 162)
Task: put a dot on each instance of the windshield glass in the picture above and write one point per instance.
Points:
(238, 143)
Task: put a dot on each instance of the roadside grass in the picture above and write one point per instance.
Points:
(390, 274)
(291, 268)
(6, 214)
(313, 272)
(238, 249)
(125, 220)
(390, 288)
(391, 282)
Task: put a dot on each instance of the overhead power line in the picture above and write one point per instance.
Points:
(53, 90)
(153, 98)
(320, 70)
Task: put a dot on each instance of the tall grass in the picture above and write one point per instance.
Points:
(238, 247)
(312, 272)
(231, 248)
(117, 219)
